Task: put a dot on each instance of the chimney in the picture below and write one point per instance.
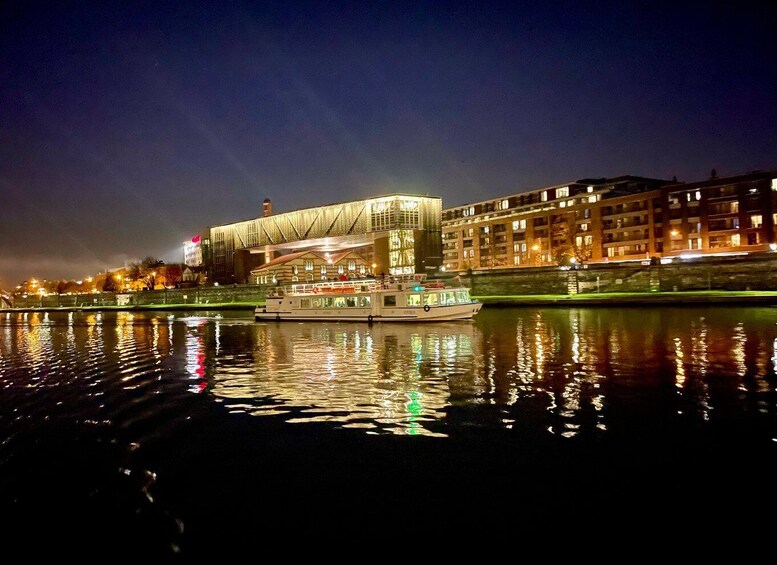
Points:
(267, 207)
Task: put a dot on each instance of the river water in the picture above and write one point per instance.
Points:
(193, 433)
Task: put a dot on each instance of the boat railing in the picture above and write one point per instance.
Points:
(333, 287)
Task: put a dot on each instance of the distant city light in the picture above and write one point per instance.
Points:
(773, 246)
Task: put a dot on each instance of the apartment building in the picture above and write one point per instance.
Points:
(612, 219)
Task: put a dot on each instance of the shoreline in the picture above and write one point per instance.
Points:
(678, 299)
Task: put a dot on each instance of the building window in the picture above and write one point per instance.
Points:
(340, 269)
(523, 248)
(308, 264)
(774, 185)
(390, 300)
(485, 229)
(516, 260)
(590, 189)
(698, 195)
(589, 239)
(323, 270)
(579, 240)
(562, 192)
(544, 196)
(351, 265)
(756, 221)
(519, 225)
(362, 269)
(592, 199)
(294, 269)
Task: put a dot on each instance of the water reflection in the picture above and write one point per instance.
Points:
(566, 372)
(392, 377)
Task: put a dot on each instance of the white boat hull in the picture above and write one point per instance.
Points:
(408, 314)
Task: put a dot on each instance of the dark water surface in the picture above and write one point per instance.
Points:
(207, 433)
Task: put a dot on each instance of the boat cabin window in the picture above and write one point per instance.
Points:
(350, 301)
(316, 302)
(364, 302)
(304, 303)
(431, 298)
(447, 298)
(339, 302)
(390, 300)
(462, 296)
(413, 299)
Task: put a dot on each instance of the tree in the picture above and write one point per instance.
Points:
(145, 271)
(174, 275)
(110, 284)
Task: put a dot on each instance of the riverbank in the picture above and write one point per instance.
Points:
(589, 299)
(708, 297)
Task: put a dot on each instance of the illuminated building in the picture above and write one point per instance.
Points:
(398, 234)
(624, 218)
(306, 266)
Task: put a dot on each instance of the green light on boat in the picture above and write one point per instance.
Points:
(418, 288)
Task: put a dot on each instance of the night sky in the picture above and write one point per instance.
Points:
(125, 129)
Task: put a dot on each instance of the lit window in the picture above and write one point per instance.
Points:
(589, 239)
(308, 264)
(590, 189)
(571, 202)
(688, 196)
(756, 221)
(544, 196)
(362, 269)
(735, 240)
(505, 204)
(579, 240)
(294, 269)
(562, 205)
(323, 270)
(516, 260)
(340, 269)
(698, 195)
(351, 265)
(523, 248)
(485, 229)
(584, 227)
(471, 210)
(774, 185)
(592, 199)
(516, 225)
(562, 192)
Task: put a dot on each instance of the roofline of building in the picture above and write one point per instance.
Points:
(391, 195)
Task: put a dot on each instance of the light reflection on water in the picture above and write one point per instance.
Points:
(389, 376)
(565, 372)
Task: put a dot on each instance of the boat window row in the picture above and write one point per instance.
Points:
(447, 298)
(335, 302)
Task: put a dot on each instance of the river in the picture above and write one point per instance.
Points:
(191, 432)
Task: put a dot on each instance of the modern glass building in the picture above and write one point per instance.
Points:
(396, 234)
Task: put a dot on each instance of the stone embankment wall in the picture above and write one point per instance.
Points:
(739, 273)
(202, 295)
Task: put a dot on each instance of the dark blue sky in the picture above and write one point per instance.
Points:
(124, 129)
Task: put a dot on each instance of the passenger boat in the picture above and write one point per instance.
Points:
(396, 299)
